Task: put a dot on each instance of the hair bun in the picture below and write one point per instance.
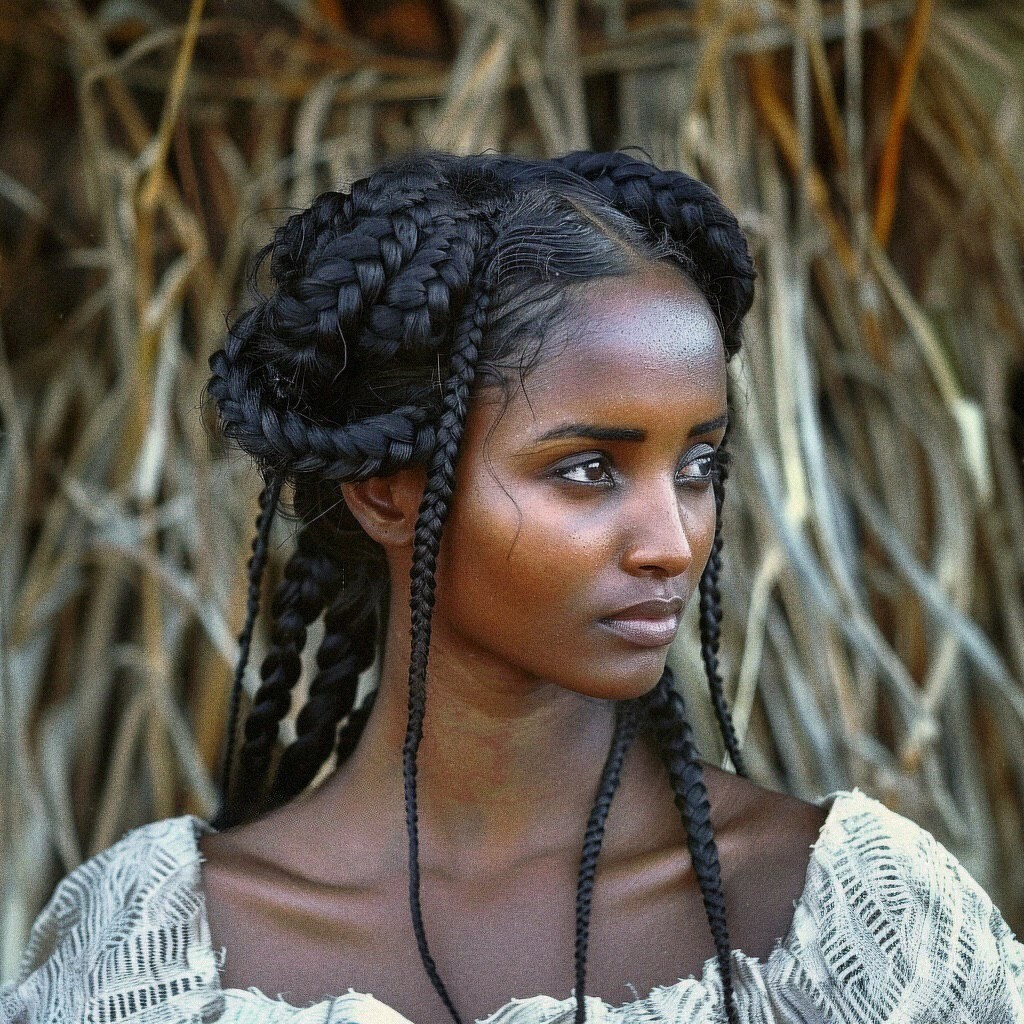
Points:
(282, 440)
(359, 278)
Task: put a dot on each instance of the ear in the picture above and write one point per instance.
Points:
(387, 506)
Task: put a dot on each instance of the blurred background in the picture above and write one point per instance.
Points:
(874, 154)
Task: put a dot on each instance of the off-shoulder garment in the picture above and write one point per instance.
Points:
(890, 927)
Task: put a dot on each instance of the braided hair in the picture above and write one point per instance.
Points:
(394, 304)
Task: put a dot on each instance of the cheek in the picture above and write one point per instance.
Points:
(701, 529)
(521, 559)
(523, 573)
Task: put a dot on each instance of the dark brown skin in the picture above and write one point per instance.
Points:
(312, 899)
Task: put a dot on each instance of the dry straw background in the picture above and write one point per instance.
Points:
(874, 631)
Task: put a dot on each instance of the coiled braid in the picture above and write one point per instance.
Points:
(384, 283)
(393, 302)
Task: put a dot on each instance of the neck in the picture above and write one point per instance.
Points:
(508, 766)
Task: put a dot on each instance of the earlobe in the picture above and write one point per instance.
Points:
(387, 506)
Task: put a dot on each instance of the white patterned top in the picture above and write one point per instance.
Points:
(889, 928)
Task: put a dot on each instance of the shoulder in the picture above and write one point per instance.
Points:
(766, 841)
(121, 933)
(758, 813)
(891, 921)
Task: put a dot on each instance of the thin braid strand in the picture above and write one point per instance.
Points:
(627, 725)
(427, 538)
(268, 500)
(674, 737)
(711, 621)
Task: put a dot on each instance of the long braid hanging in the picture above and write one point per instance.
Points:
(628, 719)
(426, 544)
(269, 497)
(668, 721)
(310, 577)
(711, 620)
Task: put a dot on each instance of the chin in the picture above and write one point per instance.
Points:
(622, 681)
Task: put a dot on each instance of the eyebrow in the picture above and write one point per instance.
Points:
(594, 432)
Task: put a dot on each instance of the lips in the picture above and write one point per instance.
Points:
(658, 608)
(647, 624)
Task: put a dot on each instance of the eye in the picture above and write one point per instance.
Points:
(701, 469)
(704, 465)
(592, 471)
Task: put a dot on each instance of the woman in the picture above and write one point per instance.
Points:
(498, 388)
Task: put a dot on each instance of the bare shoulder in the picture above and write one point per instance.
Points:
(290, 913)
(235, 879)
(299, 844)
(765, 848)
(254, 872)
(736, 802)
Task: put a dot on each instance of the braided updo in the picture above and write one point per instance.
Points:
(393, 304)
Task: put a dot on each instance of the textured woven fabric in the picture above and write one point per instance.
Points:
(889, 928)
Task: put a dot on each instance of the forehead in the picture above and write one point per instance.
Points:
(643, 347)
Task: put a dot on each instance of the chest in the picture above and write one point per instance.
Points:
(491, 941)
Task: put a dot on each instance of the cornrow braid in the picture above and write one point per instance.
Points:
(268, 499)
(628, 718)
(673, 737)
(347, 649)
(711, 618)
(310, 577)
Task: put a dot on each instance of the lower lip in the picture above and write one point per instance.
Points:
(644, 632)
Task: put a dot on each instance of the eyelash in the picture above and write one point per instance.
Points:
(710, 458)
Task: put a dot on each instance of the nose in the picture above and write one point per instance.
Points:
(659, 543)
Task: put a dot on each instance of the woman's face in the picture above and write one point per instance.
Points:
(590, 493)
